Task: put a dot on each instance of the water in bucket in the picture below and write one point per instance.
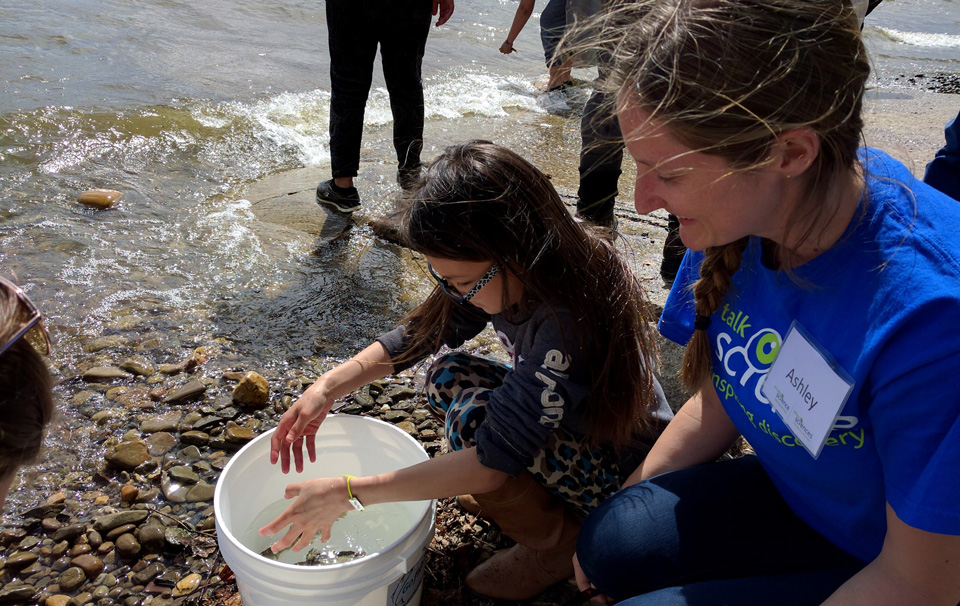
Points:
(355, 535)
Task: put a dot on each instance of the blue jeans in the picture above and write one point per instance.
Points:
(943, 172)
(553, 22)
(713, 534)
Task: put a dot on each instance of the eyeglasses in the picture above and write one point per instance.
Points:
(449, 290)
(32, 322)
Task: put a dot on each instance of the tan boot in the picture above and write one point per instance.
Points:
(468, 504)
(546, 534)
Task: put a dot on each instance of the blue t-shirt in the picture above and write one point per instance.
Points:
(885, 303)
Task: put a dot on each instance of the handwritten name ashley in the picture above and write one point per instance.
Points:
(803, 388)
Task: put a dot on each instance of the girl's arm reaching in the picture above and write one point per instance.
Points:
(319, 502)
(301, 421)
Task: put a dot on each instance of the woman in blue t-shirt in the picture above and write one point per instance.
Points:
(819, 305)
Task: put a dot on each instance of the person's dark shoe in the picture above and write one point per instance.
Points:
(409, 177)
(342, 199)
(608, 221)
(606, 229)
(560, 87)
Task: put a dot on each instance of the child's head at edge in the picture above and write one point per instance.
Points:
(26, 402)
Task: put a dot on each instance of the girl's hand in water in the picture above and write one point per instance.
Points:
(298, 425)
(317, 506)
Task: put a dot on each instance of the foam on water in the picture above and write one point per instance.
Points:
(460, 93)
(298, 121)
(922, 39)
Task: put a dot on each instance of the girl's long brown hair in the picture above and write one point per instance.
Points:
(482, 202)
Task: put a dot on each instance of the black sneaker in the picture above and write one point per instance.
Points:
(606, 229)
(409, 178)
(342, 199)
(608, 221)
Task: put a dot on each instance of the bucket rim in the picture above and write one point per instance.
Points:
(429, 506)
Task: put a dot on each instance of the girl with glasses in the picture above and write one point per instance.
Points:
(818, 304)
(26, 402)
(539, 442)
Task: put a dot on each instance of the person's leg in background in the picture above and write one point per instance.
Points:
(403, 39)
(352, 53)
(673, 251)
(601, 155)
(553, 24)
(943, 172)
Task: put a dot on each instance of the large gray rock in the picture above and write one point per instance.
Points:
(191, 390)
(289, 199)
(108, 522)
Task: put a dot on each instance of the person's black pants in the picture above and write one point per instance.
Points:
(601, 150)
(356, 28)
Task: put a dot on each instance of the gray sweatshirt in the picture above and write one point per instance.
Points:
(548, 386)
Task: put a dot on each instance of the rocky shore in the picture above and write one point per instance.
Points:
(139, 530)
(146, 534)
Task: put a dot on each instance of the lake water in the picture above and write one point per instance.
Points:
(181, 104)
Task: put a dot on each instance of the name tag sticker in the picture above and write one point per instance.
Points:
(807, 388)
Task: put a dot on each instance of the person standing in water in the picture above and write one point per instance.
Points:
(553, 23)
(356, 28)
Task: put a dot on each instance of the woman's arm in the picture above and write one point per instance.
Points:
(319, 502)
(301, 421)
(914, 567)
(519, 20)
(700, 432)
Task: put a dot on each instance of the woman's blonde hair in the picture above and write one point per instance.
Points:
(727, 78)
(26, 402)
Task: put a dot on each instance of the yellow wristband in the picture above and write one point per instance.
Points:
(354, 502)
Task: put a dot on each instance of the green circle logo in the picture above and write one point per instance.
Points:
(767, 348)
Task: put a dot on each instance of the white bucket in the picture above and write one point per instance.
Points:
(391, 576)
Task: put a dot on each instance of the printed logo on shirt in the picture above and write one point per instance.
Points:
(745, 353)
(554, 363)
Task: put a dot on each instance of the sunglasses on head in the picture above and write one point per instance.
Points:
(31, 322)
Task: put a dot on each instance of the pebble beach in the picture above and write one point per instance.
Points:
(191, 309)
